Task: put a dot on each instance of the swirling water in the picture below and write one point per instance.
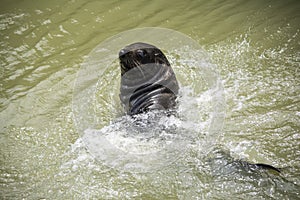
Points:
(255, 46)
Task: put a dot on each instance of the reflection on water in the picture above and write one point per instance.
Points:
(255, 45)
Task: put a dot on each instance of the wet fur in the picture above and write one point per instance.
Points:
(147, 79)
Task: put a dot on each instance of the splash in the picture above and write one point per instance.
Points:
(152, 140)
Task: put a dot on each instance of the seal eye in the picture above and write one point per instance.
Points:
(141, 53)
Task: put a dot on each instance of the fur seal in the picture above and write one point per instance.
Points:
(147, 79)
(149, 83)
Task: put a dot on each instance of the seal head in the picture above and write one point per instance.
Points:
(147, 79)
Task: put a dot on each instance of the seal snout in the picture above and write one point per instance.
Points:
(122, 52)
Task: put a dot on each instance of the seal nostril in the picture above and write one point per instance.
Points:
(122, 52)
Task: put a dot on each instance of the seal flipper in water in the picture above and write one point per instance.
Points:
(149, 83)
(222, 162)
(264, 166)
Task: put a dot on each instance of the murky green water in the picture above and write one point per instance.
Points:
(254, 44)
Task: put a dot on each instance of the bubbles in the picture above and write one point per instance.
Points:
(153, 140)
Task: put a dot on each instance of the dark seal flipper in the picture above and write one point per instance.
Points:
(147, 79)
(222, 161)
(264, 166)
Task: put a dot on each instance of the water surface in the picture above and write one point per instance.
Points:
(253, 44)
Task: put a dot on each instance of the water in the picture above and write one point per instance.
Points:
(254, 46)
